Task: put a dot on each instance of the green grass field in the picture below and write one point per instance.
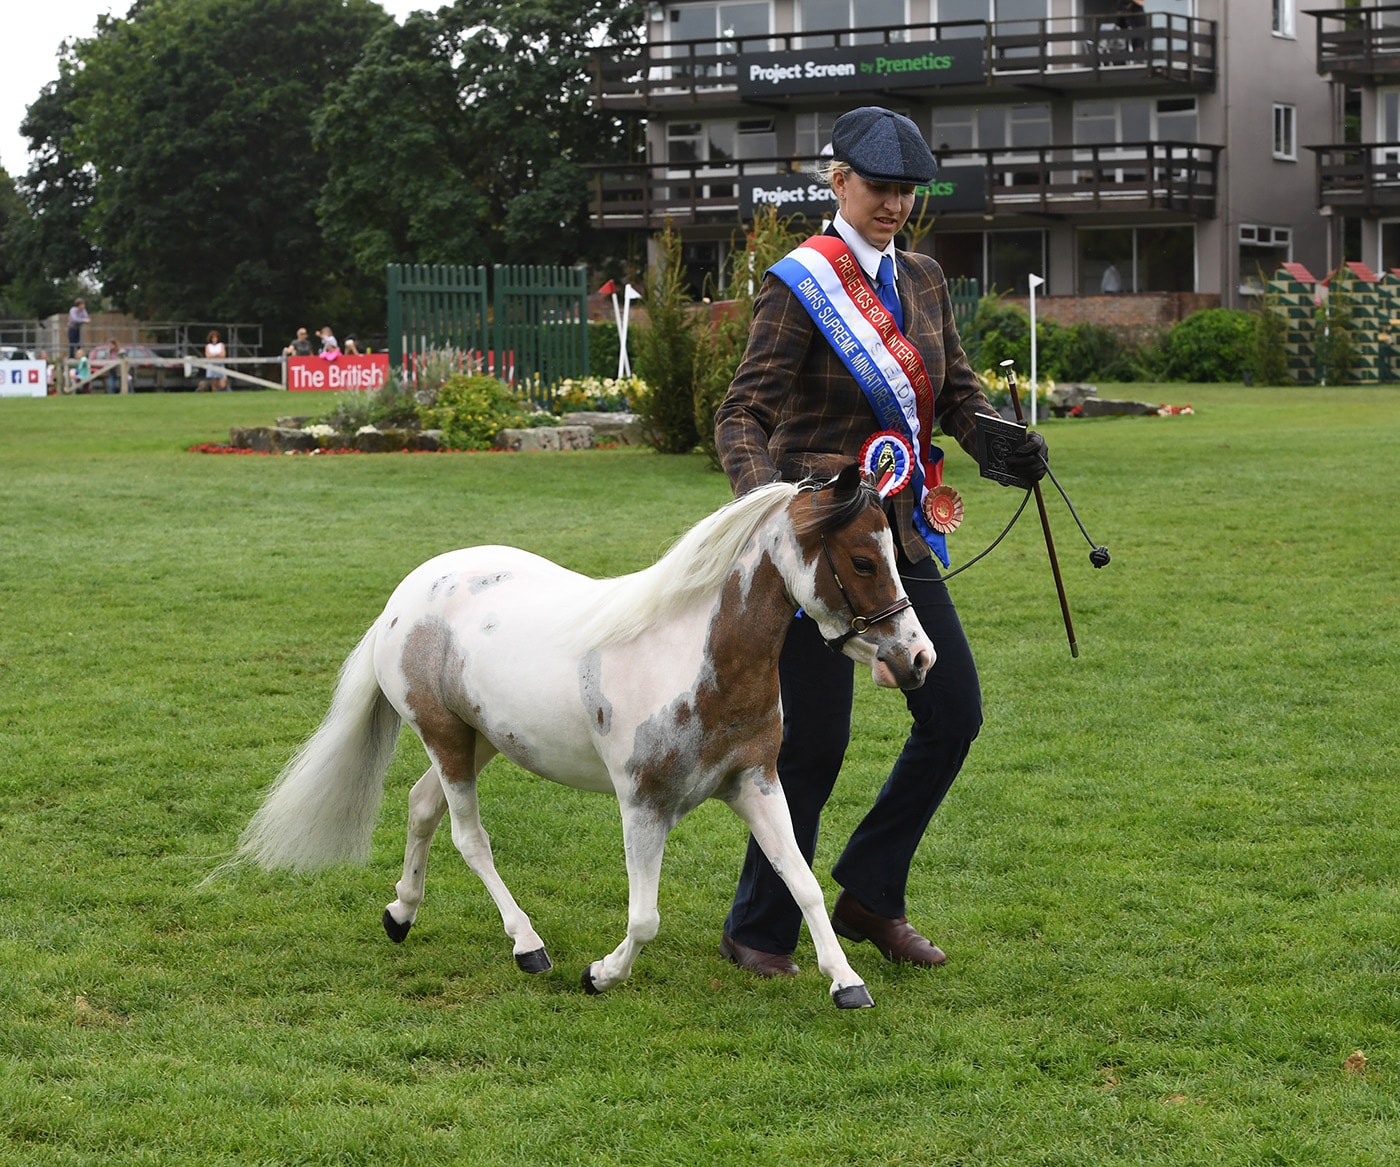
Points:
(1166, 879)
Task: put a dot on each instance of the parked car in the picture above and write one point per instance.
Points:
(141, 366)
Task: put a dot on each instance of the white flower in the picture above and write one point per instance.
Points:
(319, 430)
(367, 429)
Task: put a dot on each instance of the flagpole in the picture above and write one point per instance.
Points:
(1035, 282)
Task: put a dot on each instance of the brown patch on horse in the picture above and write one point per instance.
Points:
(730, 722)
(433, 666)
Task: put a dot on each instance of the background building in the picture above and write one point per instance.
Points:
(1162, 154)
(1358, 161)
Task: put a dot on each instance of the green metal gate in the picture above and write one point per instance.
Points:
(963, 292)
(533, 334)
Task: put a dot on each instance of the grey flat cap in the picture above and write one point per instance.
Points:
(882, 146)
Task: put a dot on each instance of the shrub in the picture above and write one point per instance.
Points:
(392, 406)
(666, 353)
(1267, 363)
(471, 409)
(1210, 345)
(603, 347)
(999, 332)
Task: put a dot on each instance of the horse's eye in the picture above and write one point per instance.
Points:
(862, 565)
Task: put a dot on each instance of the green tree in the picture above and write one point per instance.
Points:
(46, 246)
(185, 132)
(720, 347)
(463, 135)
(666, 351)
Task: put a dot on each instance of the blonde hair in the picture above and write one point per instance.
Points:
(829, 168)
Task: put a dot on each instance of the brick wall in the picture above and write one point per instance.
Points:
(1135, 317)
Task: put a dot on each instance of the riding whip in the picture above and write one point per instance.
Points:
(1098, 556)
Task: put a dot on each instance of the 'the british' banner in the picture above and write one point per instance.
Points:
(319, 374)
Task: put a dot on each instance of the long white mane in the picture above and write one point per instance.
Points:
(696, 565)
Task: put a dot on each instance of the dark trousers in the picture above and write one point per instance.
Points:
(817, 688)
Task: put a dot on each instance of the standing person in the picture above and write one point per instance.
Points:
(796, 408)
(77, 317)
(114, 370)
(1133, 19)
(214, 350)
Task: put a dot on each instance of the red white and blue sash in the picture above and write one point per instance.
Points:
(827, 280)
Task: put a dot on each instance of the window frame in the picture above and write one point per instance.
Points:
(1285, 124)
(1283, 19)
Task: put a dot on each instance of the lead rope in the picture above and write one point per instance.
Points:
(1098, 554)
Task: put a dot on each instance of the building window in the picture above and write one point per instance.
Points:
(836, 17)
(998, 260)
(1286, 132)
(1262, 249)
(1283, 18)
(732, 23)
(1136, 259)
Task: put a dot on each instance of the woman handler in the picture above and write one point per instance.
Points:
(804, 401)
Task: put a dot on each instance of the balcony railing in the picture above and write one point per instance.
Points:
(1179, 178)
(1068, 52)
(1363, 176)
(1359, 43)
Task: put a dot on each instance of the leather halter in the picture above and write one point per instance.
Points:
(859, 624)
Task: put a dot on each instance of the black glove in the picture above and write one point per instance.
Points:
(1029, 460)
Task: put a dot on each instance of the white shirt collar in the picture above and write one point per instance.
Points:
(866, 256)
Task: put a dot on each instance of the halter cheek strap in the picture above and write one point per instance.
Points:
(859, 624)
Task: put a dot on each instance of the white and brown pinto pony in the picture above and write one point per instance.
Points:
(660, 688)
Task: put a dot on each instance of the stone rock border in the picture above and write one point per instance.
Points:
(580, 431)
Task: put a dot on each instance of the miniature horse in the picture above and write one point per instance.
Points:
(660, 687)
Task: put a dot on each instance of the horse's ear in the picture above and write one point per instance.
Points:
(848, 481)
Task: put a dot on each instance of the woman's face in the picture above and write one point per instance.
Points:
(875, 209)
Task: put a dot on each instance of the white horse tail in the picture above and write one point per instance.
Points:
(323, 806)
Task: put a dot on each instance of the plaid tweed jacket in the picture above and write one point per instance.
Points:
(794, 409)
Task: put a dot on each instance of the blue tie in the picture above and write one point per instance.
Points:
(885, 289)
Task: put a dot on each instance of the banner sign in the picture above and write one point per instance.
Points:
(24, 378)
(788, 194)
(956, 188)
(319, 374)
(908, 66)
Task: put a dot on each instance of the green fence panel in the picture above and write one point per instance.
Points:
(963, 292)
(436, 306)
(541, 325)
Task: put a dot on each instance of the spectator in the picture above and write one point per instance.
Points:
(77, 317)
(1133, 20)
(351, 349)
(300, 347)
(114, 370)
(330, 347)
(81, 374)
(214, 350)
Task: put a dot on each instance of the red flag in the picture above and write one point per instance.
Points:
(608, 289)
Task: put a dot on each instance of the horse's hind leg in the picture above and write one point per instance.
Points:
(426, 806)
(644, 842)
(470, 838)
(761, 804)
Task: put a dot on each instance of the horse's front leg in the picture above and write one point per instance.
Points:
(760, 803)
(426, 806)
(644, 835)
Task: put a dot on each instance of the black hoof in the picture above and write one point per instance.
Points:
(853, 997)
(534, 962)
(588, 986)
(396, 930)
